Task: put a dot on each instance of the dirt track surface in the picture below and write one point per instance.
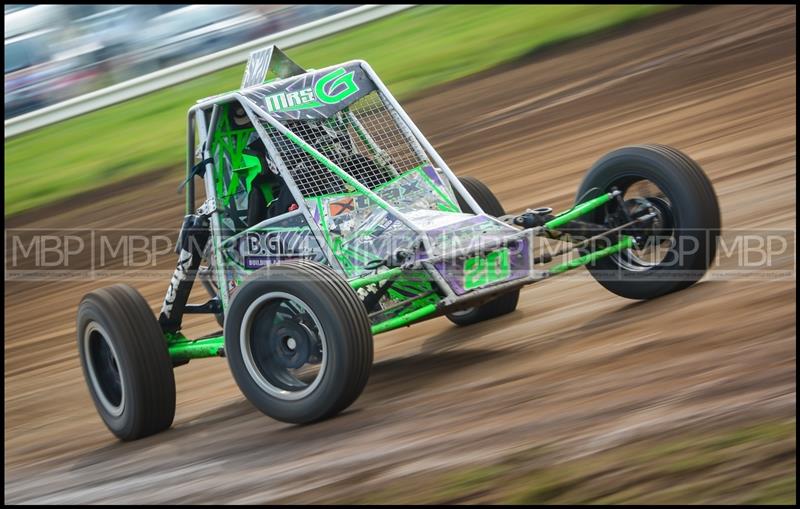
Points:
(575, 368)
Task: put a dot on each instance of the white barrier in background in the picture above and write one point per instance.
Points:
(194, 68)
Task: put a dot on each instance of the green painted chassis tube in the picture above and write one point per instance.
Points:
(185, 348)
(375, 278)
(578, 211)
(625, 243)
(399, 321)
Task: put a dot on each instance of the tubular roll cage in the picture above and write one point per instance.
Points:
(205, 115)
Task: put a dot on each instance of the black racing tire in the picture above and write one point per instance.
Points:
(694, 211)
(125, 362)
(505, 303)
(330, 305)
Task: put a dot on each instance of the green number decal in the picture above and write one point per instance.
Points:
(480, 270)
(497, 265)
(474, 272)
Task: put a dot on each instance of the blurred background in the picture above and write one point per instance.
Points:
(55, 52)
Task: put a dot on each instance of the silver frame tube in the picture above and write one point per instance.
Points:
(216, 228)
(190, 198)
(422, 139)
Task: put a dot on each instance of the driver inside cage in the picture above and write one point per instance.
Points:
(331, 139)
(268, 196)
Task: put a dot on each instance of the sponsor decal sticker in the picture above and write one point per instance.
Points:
(332, 88)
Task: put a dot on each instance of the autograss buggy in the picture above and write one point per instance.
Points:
(329, 218)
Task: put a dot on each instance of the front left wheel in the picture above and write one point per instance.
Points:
(680, 244)
(298, 341)
(505, 303)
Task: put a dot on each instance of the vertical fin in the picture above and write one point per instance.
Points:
(268, 59)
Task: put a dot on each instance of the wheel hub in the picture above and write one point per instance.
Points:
(659, 226)
(294, 345)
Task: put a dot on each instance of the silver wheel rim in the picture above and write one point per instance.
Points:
(91, 329)
(247, 352)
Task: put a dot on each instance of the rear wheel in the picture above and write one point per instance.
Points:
(505, 303)
(125, 362)
(298, 341)
(679, 246)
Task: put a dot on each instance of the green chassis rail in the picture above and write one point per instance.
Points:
(182, 348)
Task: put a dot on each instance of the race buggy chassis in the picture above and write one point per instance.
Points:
(329, 218)
(182, 348)
(436, 301)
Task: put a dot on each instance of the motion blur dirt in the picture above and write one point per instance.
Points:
(576, 368)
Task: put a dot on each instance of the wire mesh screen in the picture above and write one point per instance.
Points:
(364, 140)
